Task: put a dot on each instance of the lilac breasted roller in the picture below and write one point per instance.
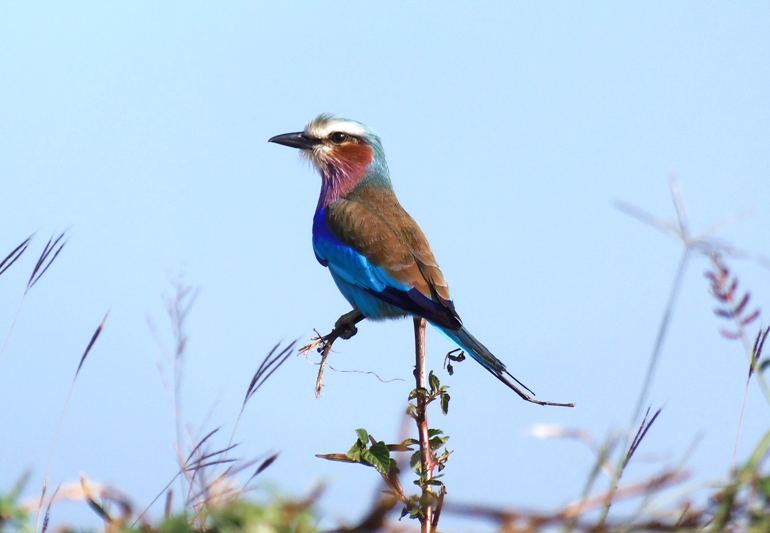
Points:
(377, 254)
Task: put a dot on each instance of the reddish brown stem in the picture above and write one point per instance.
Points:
(427, 461)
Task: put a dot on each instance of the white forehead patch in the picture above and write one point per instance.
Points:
(321, 127)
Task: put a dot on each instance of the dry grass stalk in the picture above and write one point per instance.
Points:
(555, 431)
(169, 502)
(91, 344)
(98, 496)
(641, 432)
(208, 474)
(11, 258)
(64, 409)
(734, 307)
(46, 259)
(267, 367)
(269, 364)
(344, 328)
(573, 516)
(703, 243)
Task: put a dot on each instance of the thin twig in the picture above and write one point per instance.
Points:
(344, 328)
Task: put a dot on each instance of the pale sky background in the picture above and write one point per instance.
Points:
(510, 129)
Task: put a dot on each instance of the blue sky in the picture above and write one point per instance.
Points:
(511, 129)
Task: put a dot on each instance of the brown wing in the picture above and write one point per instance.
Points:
(373, 223)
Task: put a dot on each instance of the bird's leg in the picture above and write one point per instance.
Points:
(344, 328)
(346, 324)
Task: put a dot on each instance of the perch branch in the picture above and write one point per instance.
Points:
(427, 461)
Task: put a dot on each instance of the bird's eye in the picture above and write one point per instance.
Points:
(339, 137)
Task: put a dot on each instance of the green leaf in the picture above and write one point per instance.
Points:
(410, 442)
(438, 442)
(419, 391)
(445, 403)
(756, 456)
(356, 450)
(414, 462)
(378, 456)
(98, 509)
(434, 382)
(763, 486)
(427, 499)
(433, 432)
(363, 435)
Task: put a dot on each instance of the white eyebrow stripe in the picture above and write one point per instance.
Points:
(322, 129)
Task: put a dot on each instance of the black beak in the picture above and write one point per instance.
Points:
(295, 140)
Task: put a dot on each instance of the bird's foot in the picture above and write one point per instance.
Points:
(345, 327)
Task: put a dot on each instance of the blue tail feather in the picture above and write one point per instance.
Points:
(463, 338)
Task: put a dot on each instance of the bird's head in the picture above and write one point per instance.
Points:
(344, 152)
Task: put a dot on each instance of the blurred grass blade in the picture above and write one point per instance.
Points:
(266, 463)
(64, 409)
(11, 258)
(201, 443)
(91, 344)
(759, 453)
(259, 372)
(169, 502)
(47, 517)
(269, 365)
(643, 428)
(46, 259)
(201, 466)
(208, 456)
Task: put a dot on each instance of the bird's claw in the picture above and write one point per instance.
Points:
(346, 330)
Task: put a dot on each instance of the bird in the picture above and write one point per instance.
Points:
(376, 253)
